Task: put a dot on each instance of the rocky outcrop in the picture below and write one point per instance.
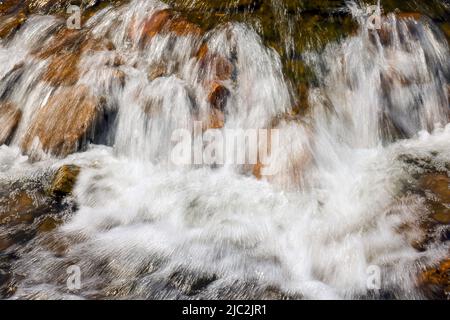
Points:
(62, 125)
(9, 119)
(64, 181)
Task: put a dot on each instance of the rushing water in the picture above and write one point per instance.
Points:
(144, 228)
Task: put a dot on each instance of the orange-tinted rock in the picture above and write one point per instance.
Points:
(5, 243)
(156, 23)
(182, 27)
(48, 224)
(61, 124)
(17, 209)
(63, 70)
(202, 52)
(157, 71)
(8, 6)
(10, 24)
(166, 21)
(119, 76)
(218, 96)
(64, 181)
(257, 168)
(436, 281)
(409, 15)
(437, 183)
(303, 103)
(65, 40)
(92, 44)
(9, 119)
(216, 119)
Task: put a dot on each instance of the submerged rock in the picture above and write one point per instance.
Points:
(218, 96)
(166, 21)
(63, 70)
(436, 281)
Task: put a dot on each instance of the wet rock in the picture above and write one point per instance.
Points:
(10, 24)
(9, 6)
(438, 183)
(166, 21)
(65, 40)
(64, 181)
(48, 224)
(216, 119)
(213, 65)
(218, 96)
(159, 70)
(5, 243)
(9, 119)
(17, 209)
(63, 70)
(63, 124)
(156, 23)
(436, 281)
(182, 27)
(437, 191)
(409, 15)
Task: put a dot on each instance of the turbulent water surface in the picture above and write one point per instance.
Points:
(343, 202)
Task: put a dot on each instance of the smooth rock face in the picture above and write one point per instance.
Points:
(61, 125)
(9, 119)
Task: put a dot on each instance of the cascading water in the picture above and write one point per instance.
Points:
(144, 228)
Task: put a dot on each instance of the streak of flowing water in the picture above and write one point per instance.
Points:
(146, 229)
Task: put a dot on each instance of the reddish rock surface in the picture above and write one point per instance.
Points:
(63, 122)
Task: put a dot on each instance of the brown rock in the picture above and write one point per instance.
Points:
(156, 23)
(5, 243)
(182, 27)
(65, 40)
(48, 224)
(220, 68)
(436, 281)
(165, 21)
(63, 122)
(8, 6)
(63, 70)
(64, 180)
(409, 15)
(10, 24)
(9, 120)
(157, 71)
(437, 183)
(216, 119)
(20, 208)
(218, 96)
(92, 44)
(120, 77)
(202, 52)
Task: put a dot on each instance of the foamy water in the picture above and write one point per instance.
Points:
(147, 229)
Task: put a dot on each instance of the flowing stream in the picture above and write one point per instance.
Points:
(142, 227)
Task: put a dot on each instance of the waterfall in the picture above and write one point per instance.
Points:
(109, 97)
